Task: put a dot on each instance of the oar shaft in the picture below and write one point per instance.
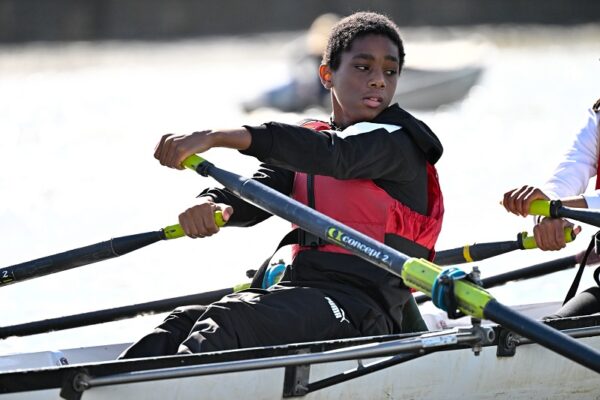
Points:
(532, 271)
(111, 314)
(474, 252)
(307, 218)
(544, 335)
(77, 257)
(90, 254)
(555, 209)
(585, 216)
(482, 251)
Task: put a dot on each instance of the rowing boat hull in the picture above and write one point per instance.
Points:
(429, 89)
(532, 372)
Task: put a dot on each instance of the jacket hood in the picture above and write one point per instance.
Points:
(418, 130)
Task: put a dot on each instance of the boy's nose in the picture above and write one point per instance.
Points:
(377, 82)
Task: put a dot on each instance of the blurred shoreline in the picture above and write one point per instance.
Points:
(21, 58)
(72, 20)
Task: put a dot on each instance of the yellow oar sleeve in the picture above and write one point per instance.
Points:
(421, 274)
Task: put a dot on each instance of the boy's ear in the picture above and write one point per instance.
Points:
(325, 76)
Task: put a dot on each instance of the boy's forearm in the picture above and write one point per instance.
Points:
(239, 138)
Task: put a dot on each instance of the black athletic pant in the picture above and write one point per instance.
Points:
(584, 303)
(257, 317)
(166, 338)
(279, 315)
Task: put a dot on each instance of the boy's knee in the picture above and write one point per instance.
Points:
(594, 291)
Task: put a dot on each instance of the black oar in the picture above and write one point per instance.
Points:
(555, 209)
(112, 314)
(532, 271)
(481, 251)
(416, 273)
(158, 306)
(89, 254)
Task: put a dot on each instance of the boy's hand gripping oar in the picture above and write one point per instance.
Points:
(176, 231)
(416, 273)
(481, 251)
(555, 209)
(90, 254)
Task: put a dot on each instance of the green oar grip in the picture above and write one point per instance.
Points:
(175, 231)
(421, 274)
(193, 161)
(528, 242)
(540, 207)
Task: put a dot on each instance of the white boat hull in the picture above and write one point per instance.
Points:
(532, 372)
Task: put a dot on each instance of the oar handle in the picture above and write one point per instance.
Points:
(528, 242)
(555, 209)
(193, 161)
(542, 208)
(176, 231)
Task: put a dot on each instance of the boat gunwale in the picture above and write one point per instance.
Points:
(55, 376)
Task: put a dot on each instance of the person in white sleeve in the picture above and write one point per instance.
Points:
(568, 184)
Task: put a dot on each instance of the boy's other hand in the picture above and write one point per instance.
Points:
(199, 221)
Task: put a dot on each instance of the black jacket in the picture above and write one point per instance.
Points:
(395, 161)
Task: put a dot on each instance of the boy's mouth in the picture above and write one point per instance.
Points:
(372, 102)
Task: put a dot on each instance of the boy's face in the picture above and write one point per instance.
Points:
(365, 81)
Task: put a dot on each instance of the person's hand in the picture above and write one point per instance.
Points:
(173, 149)
(518, 201)
(199, 220)
(549, 233)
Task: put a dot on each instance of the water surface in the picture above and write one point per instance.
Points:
(79, 123)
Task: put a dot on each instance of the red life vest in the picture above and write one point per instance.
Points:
(366, 207)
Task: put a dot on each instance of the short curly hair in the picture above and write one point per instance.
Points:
(357, 25)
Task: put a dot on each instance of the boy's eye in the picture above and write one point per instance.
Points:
(361, 67)
(391, 72)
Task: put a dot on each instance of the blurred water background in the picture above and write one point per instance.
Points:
(79, 122)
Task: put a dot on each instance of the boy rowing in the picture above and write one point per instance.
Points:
(371, 166)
